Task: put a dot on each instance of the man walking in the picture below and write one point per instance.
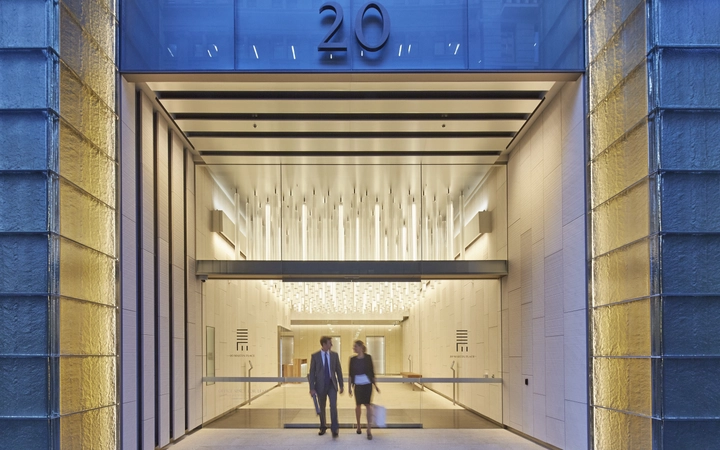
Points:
(325, 378)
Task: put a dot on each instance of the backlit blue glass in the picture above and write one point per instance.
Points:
(351, 35)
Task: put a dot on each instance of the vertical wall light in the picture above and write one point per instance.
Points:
(341, 232)
(413, 229)
(377, 230)
(304, 230)
(450, 227)
(267, 229)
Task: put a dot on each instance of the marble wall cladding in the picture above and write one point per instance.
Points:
(544, 307)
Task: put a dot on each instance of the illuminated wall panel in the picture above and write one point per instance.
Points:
(654, 115)
(87, 226)
(620, 229)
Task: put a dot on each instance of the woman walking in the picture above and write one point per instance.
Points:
(362, 379)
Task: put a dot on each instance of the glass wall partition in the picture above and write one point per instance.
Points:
(359, 212)
(438, 358)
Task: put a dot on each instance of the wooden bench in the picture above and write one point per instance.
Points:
(411, 375)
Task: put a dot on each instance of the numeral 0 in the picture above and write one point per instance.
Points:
(326, 45)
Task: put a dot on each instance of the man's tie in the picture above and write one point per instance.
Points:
(326, 357)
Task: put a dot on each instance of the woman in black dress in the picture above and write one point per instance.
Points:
(362, 379)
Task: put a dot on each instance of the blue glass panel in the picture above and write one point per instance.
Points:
(690, 326)
(690, 388)
(690, 433)
(690, 202)
(421, 36)
(688, 22)
(690, 264)
(525, 35)
(258, 36)
(24, 386)
(26, 433)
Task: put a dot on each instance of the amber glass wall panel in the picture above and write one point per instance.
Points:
(86, 220)
(86, 273)
(83, 328)
(90, 429)
(621, 165)
(624, 108)
(615, 430)
(622, 329)
(90, 168)
(87, 329)
(623, 384)
(622, 274)
(621, 217)
(621, 220)
(625, 50)
(86, 382)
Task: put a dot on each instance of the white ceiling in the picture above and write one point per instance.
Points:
(345, 132)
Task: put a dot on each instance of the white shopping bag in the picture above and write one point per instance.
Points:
(379, 416)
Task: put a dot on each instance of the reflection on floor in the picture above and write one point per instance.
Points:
(290, 406)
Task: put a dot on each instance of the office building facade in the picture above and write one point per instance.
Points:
(519, 190)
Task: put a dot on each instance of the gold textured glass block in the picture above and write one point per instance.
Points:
(622, 219)
(86, 220)
(86, 274)
(90, 63)
(622, 274)
(614, 430)
(621, 165)
(86, 328)
(90, 168)
(614, 22)
(622, 54)
(620, 111)
(97, 19)
(87, 382)
(624, 384)
(622, 329)
(94, 429)
(84, 111)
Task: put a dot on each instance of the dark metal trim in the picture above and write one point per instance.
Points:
(350, 134)
(365, 271)
(443, 153)
(350, 116)
(350, 95)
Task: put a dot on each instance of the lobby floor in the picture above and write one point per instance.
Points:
(386, 438)
(290, 406)
(284, 418)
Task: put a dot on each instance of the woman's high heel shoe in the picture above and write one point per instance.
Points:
(358, 431)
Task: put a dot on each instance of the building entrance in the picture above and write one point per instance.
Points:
(437, 358)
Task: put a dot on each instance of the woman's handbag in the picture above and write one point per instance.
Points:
(379, 416)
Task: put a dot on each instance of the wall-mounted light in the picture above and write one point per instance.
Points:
(223, 225)
(480, 224)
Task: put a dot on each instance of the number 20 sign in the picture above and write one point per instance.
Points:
(326, 45)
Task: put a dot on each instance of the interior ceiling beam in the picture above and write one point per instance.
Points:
(351, 95)
(349, 271)
(352, 116)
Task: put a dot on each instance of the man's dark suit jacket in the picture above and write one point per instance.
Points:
(316, 377)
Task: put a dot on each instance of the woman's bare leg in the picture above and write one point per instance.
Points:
(358, 410)
(369, 409)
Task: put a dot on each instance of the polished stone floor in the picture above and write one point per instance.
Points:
(290, 406)
(284, 418)
(386, 438)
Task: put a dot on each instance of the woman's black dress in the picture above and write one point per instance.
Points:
(360, 366)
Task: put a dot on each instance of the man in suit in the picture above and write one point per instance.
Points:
(325, 378)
